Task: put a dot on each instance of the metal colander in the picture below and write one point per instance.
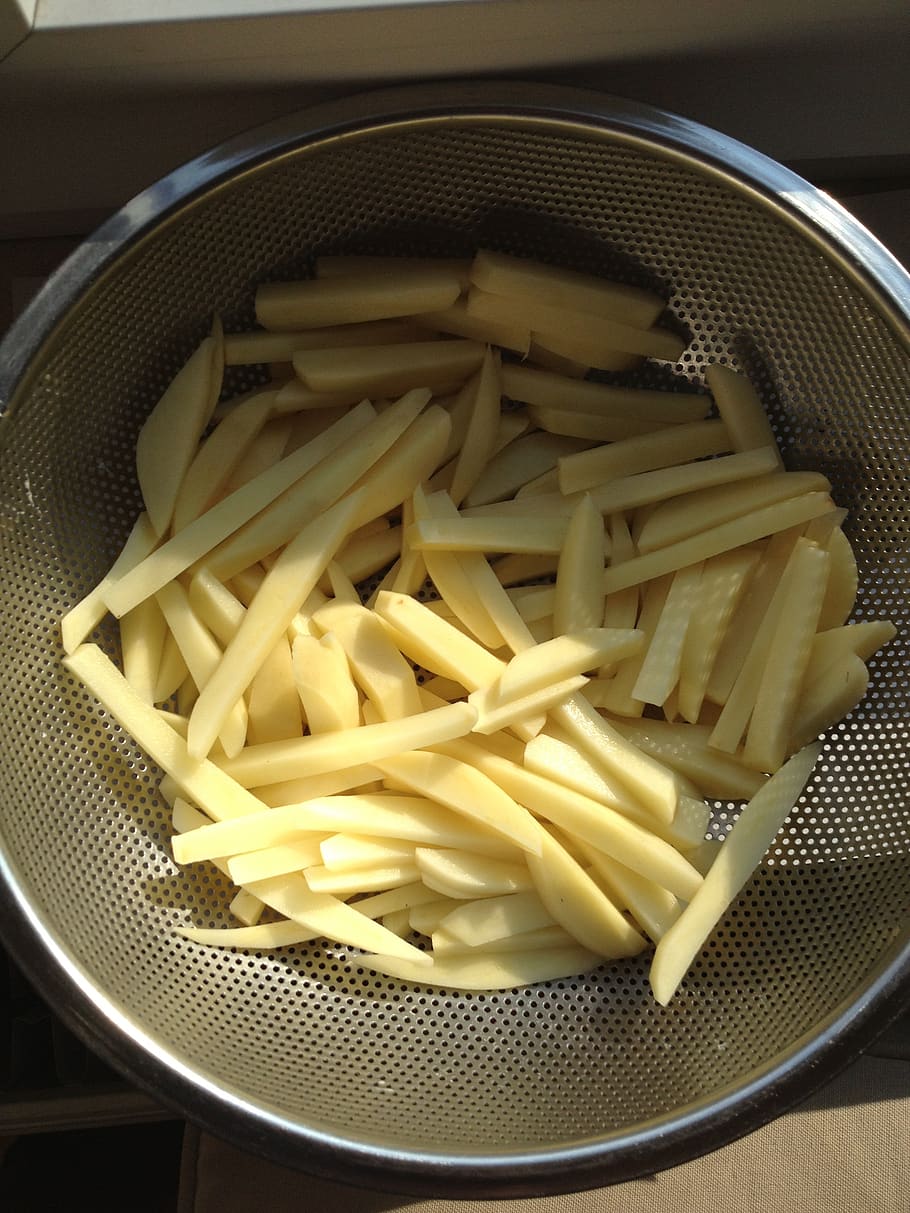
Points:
(295, 1053)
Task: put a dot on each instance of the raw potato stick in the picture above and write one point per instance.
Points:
(280, 596)
(520, 462)
(243, 349)
(206, 532)
(480, 435)
(549, 390)
(659, 673)
(741, 853)
(377, 370)
(829, 699)
(740, 408)
(538, 534)
(578, 598)
(488, 970)
(645, 453)
(460, 323)
(352, 299)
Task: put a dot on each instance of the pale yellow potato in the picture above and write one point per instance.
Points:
(250, 938)
(740, 408)
(520, 567)
(717, 539)
(546, 389)
(360, 880)
(660, 669)
(425, 918)
(433, 643)
(446, 945)
(533, 602)
(828, 699)
(684, 748)
(477, 923)
(566, 655)
(267, 449)
(203, 656)
(168, 439)
(81, 620)
(324, 684)
(322, 485)
(678, 519)
(723, 582)
(488, 970)
(279, 860)
(364, 555)
(291, 896)
(142, 633)
(651, 782)
(463, 875)
(546, 482)
(378, 370)
(532, 533)
(578, 601)
(354, 298)
(285, 588)
(653, 908)
(843, 582)
(279, 761)
(579, 905)
(521, 277)
(620, 607)
(495, 711)
(216, 793)
(242, 349)
(459, 322)
(273, 701)
(832, 645)
(768, 735)
(214, 468)
(344, 852)
(742, 852)
(171, 671)
(465, 789)
(245, 907)
(541, 358)
(580, 816)
(406, 897)
(483, 426)
(377, 665)
(198, 538)
(589, 427)
(645, 453)
(362, 778)
(580, 335)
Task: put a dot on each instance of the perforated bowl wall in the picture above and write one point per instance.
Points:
(296, 1052)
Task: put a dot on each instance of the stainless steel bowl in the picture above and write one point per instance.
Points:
(558, 1087)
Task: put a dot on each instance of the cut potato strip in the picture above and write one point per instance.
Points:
(426, 918)
(616, 693)
(515, 569)
(651, 782)
(198, 538)
(575, 334)
(445, 945)
(659, 673)
(715, 774)
(215, 606)
(559, 760)
(740, 408)
(243, 349)
(829, 699)
(318, 488)
(283, 760)
(489, 970)
(342, 588)
(274, 861)
(675, 520)
(466, 789)
(548, 390)
(521, 461)
(361, 880)
(245, 444)
(376, 664)
(495, 712)
(285, 588)
(565, 656)
(458, 321)
(862, 639)
(363, 556)
(843, 582)
(203, 656)
(245, 907)
(273, 703)
(82, 619)
(653, 908)
(579, 905)
(502, 612)
(547, 482)
(714, 540)
(378, 370)
(406, 897)
(578, 599)
(501, 274)
(538, 534)
(533, 603)
(168, 439)
(741, 853)
(630, 492)
(359, 778)
(589, 427)
(768, 736)
(483, 427)
(171, 672)
(645, 453)
(433, 643)
(251, 938)
(292, 897)
(142, 637)
(461, 875)
(410, 570)
(216, 793)
(580, 816)
(344, 852)
(496, 918)
(354, 298)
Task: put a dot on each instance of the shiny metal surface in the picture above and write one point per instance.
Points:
(296, 1055)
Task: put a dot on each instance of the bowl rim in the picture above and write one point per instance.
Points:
(677, 1137)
